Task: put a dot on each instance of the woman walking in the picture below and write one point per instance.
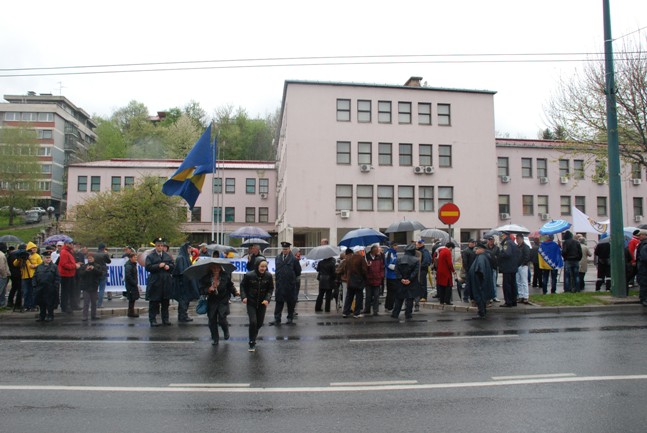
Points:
(218, 288)
(256, 291)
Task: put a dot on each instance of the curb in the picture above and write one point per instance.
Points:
(623, 307)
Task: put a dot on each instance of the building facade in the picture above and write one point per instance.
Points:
(64, 131)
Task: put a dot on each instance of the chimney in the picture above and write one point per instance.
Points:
(413, 82)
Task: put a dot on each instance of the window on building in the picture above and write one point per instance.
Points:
(384, 111)
(580, 203)
(565, 205)
(343, 152)
(365, 197)
(364, 152)
(363, 111)
(638, 206)
(45, 117)
(504, 204)
(528, 205)
(445, 195)
(444, 115)
(217, 214)
(564, 168)
(406, 154)
(424, 113)
(404, 112)
(45, 133)
(82, 184)
(230, 187)
(263, 185)
(129, 182)
(406, 198)
(95, 183)
(250, 214)
(384, 198)
(578, 169)
(542, 167)
(526, 167)
(636, 171)
(542, 204)
(444, 155)
(196, 214)
(425, 198)
(217, 185)
(344, 197)
(11, 116)
(115, 183)
(424, 151)
(602, 206)
(44, 185)
(250, 185)
(263, 214)
(29, 117)
(230, 214)
(46, 168)
(385, 153)
(343, 110)
(503, 165)
(44, 151)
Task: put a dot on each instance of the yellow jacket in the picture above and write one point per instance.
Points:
(27, 271)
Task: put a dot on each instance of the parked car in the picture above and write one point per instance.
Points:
(33, 217)
(40, 210)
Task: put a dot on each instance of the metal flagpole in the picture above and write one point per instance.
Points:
(213, 175)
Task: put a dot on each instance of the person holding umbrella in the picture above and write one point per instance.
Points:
(407, 270)
(288, 269)
(160, 283)
(326, 276)
(218, 288)
(255, 292)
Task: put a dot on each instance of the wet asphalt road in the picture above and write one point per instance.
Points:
(580, 372)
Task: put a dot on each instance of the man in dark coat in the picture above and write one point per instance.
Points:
(185, 289)
(160, 283)
(356, 270)
(602, 259)
(572, 254)
(46, 283)
(288, 269)
(509, 256)
(479, 276)
(425, 263)
(131, 281)
(641, 266)
(407, 270)
(326, 277)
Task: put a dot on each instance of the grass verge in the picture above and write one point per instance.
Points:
(574, 299)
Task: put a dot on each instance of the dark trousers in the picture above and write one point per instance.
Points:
(391, 285)
(15, 294)
(408, 308)
(75, 295)
(480, 298)
(552, 273)
(154, 310)
(444, 294)
(604, 276)
(67, 283)
(45, 309)
(256, 316)
(183, 309)
(423, 284)
(536, 275)
(278, 310)
(217, 314)
(372, 299)
(510, 288)
(27, 294)
(90, 303)
(323, 293)
(581, 281)
(353, 294)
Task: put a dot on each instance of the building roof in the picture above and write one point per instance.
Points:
(172, 163)
(386, 86)
(48, 98)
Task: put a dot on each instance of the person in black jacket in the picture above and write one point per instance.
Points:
(288, 269)
(46, 283)
(522, 271)
(572, 254)
(508, 264)
(407, 271)
(255, 292)
(218, 288)
(90, 274)
(184, 288)
(326, 276)
(160, 283)
(131, 280)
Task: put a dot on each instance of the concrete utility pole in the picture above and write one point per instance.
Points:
(618, 277)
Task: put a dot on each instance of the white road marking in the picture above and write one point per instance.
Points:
(377, 383)
(211, 385)
(461, 337)
(321, 389)
(534, 376)
(107, 341)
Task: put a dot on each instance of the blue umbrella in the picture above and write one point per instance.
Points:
(52, 240)
(361, 237)
(554, 226)
(249, 232)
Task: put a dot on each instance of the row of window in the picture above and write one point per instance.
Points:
(366, 195)
(28, 117)
(230, 214)
(384, 112)
(95, 183)
(541, 166)
(250, 185)
(385, 153)
(530, 206)
(25, 150)
(41, 185)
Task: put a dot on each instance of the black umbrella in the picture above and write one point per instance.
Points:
(255, 241)
(10, 239)
(405, 226)
(200, 268)
(222, 249)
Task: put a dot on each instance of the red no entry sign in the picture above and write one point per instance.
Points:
(449, 213)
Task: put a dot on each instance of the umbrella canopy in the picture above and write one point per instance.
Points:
(629, 231)
(52, 240)
(492, 232)
(535, 234)
(405, 226)
(554, 226)
(249, 232)
(201, 268)
(323, 252)
(255, 241)
(441, 235)
(224, 249)
(10, 239)
(362, 237)
(513, 228)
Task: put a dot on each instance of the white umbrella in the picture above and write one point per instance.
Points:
(513, 228)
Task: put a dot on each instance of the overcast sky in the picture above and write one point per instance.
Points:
(37, 34)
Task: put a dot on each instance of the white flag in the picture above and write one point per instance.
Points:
(583, 224)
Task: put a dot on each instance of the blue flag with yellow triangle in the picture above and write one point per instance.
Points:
(187, 181)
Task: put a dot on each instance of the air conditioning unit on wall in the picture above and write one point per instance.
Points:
(543, 180)
(544, 216)
(264, 195)
(638, 218)
(505, 179)
(429, 169)
(344, 214)
(504, 216)
(637, 181)
(419, 169)
(563, 179)
(364, 168)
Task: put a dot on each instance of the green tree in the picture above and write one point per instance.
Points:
(133, 216)
(19, 168)
(180, 136)
(110, 141)
(243, 138)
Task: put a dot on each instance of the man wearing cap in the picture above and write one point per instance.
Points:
(479, 277)
(509, 256)
(467, 258)
(46, 283)
(288, 269)
(160, 283)
(57, 252)
(102, 258)
(641, 266)
(67, 267)
(407, 270)
(254, 257)
(204, 252)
